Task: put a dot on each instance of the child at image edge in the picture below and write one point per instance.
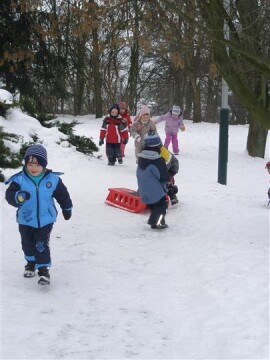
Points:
(173, 122)
(268, 169)
(32, 192)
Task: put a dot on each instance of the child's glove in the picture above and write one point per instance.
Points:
(182, 128)
(172, 189)
(67, 214)
(22, 196)
(138, 138)
(171, 172)
(125, 141)
(101, 142)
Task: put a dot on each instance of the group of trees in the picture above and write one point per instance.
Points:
(80, 56)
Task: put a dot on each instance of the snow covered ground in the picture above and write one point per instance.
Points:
(119, 290)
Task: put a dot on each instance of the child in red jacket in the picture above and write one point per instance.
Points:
(114, 130)
(126, 117)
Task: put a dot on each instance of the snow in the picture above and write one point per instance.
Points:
(119, 290)
(6, 97)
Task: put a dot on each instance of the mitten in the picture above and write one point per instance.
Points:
(138, 138)
(171, 172)
(172, 189)
(22, 196)
(101, 142)
(125, 141)
(182, 128)
(66, 214)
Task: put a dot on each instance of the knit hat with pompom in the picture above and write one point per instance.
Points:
(122, 105)
(144, 110)
(152, 139)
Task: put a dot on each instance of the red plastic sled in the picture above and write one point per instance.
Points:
(125, 199)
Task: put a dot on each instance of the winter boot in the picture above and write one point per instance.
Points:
(29, 269)
(44, 276)
(159, 227)
(174, 200)
(120, 160)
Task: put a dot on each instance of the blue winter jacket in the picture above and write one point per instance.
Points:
(40, 209)
(152, 176)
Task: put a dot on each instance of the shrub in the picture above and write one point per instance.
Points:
(66, 128)
(28, 105)
(43, 118)
(8, 159)
(6, 102)
(35, 140)
(83, 144)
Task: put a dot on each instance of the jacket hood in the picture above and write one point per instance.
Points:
(146, 157)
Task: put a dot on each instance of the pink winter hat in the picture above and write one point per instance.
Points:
(144, 110)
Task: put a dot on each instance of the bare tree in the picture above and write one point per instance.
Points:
(246, 67)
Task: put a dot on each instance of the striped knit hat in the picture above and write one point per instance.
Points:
(37, 153)
(152, 139)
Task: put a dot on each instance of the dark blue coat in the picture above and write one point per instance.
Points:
(152, 176)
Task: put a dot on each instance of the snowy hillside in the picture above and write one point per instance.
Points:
(119, 290)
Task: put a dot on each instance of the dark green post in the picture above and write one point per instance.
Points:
(223, 146)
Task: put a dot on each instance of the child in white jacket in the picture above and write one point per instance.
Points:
(141, 127)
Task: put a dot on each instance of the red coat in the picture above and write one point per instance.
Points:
(127, 117)
(114, 130)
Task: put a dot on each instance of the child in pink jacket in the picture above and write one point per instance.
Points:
(173, 122)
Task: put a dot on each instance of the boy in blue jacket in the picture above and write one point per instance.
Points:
(32, 191)
(152, 176)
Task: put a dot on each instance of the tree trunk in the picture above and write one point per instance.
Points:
(80, 80)
(133, 79)
(187, 106)
(256, 141)
(97, 76)
(134, 63)
(197, 110)
(211, 114)
(179, 88)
